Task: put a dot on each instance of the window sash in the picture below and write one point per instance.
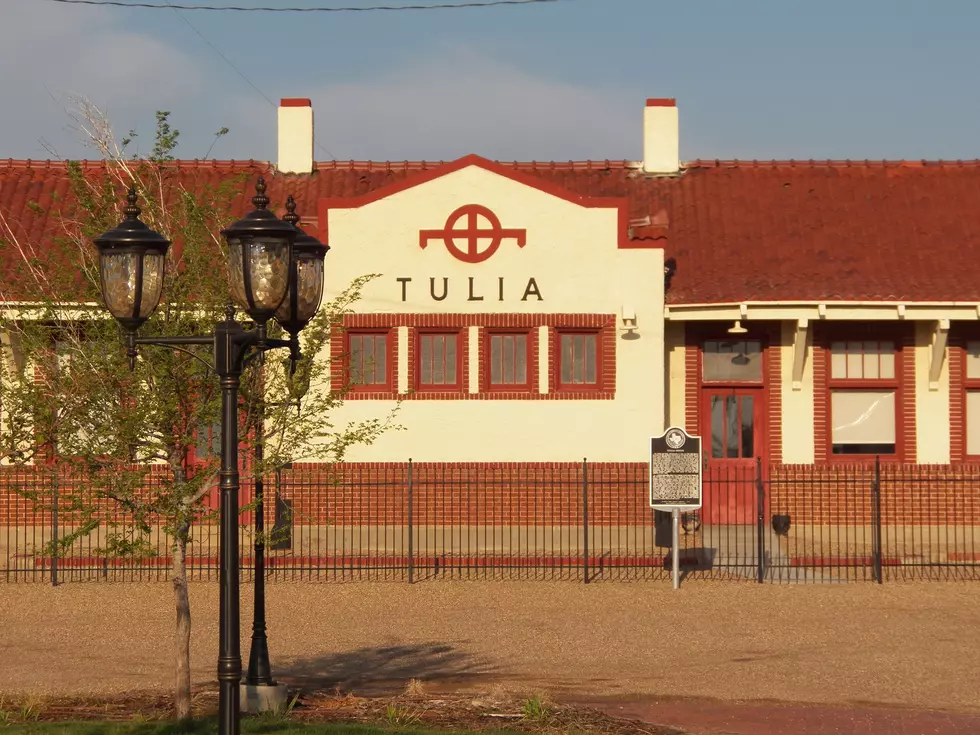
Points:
(368, 359)
(508, 358)
(862, 360)
(439, 360)
(971, 422)
(971, 355)
(863, 417)
(578, 359)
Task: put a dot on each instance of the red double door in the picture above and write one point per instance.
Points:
(733, 436)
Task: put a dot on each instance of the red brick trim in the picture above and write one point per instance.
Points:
(821, 401)
(903, 335)
(605, 386)
(339, 362)
(957, 399)
(692, 380)
(605, 323)
(907, 394)
(774, 376)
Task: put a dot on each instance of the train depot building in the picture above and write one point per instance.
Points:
(791, 313)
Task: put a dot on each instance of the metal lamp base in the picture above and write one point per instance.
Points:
(263, 697)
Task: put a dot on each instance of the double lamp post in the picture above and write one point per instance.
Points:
(275, 271)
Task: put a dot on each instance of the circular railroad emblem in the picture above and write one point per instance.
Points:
(472, 234)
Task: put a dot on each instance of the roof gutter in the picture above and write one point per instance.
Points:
(825, 310)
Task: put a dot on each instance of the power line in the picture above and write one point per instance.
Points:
(238, 71)
(239, 9)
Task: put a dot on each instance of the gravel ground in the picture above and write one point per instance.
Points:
(904, 644)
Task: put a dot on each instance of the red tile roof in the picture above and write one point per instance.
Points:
(739, 231)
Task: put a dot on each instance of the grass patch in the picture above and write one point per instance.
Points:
(258, 726)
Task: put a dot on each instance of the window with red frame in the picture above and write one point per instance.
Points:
(507, 361)
(578, 360)
(208, 442)
(971, 403)
(864, 398)
(438, 361)
(368, 360)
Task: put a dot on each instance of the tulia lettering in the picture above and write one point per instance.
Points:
(474, 289)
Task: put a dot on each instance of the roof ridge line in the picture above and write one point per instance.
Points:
(189, 163)
(830, 163)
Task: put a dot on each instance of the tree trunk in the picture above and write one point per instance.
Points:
(182, 641)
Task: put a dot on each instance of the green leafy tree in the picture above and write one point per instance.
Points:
(69, 396)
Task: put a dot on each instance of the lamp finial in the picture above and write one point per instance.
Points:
(291, 217)
(131, 211)
(260, 200)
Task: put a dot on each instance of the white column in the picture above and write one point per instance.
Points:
(473, 376)
(544, 359)
(401, 376)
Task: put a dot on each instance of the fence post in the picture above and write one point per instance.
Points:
(411, 532)
(54, 528)
(876, 522)
(585, 519)
(760, 522)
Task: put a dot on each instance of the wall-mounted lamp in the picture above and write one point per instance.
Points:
(628, 323)
(737, 328)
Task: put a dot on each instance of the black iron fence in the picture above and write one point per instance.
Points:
(580, 521)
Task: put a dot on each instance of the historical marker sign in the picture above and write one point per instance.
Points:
(675, 471)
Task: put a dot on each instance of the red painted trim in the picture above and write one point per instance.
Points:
(340, 366)
(759, 390)
(621, 204)
(462, 361)
(295, 102)
(959, 386)
(391, 350)
(661, 102)
(903, 337)
(605, 360)
(530, 359)
(605, 323)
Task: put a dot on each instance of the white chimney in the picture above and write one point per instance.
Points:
(295, 136)
(661, 133)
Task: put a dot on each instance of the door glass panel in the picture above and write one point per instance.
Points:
(731, 427)
(717, 422)
(748, 427)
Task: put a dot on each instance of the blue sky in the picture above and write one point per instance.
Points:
(564, 80)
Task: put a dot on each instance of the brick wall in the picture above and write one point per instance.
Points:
(551, 494)
(604, 324)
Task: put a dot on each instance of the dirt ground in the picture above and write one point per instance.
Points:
(901, 644)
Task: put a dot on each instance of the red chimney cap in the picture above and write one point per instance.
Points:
(661, 102)
(295, 102)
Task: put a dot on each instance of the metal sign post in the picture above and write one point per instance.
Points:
(675, 482)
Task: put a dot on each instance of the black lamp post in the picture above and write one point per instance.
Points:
(132, 260)
(300, 305)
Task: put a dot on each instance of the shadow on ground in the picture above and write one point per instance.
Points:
(382, 671)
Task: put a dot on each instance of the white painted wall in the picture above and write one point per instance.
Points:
(571, 252)
(932, 425)
(661, 137)
(676, 376)
(295, 137)
(798, 432)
